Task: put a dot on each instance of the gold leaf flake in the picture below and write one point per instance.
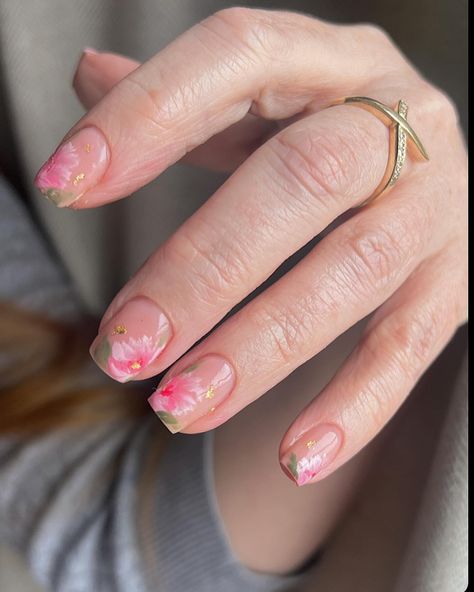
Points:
(78, 178)
(119, 330)
(210, 392)
(310, 444)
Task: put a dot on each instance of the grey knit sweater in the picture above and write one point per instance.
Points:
(102, 509)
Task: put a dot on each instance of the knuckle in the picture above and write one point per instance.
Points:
(373, 32)
(214, 273)
(438, 105)
(250, 28)
(236, 16)
(156, 109)
(376, 254)
(284, 332)
(403, 346)
(374, 35)
(324, 167)
(409, 341)
(373, 256)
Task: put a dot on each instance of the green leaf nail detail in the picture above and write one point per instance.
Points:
(191, 368)
(293, 465)
(167, 418)
(102, 352)
(57, 196)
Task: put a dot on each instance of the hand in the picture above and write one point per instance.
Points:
(212, 97)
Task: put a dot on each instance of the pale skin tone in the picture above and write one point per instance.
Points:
(244, 79)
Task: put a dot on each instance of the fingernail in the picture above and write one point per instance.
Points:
(132, 339)
(194, 392)
(90, 51)
(76, 166)
(312, 453)
(89, 81)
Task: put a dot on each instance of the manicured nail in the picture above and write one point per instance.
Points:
(194, 392)
(312, 453)
(132, 339)
(76, 166)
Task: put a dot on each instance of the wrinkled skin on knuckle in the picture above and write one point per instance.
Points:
(150, 105)
(324, 167)
(401, 350)
(246, 29)
(378, 254)
(271, 40)
(214, 272)
(283, 332)
(410, 340)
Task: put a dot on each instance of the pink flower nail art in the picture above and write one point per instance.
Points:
(312, 453)
(132, 339)
(304, 469)
(58, 170)
(75, 167)
(127, 358)
(179, 396)
(194, 392)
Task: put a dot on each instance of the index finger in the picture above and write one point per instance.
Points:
(236, 61)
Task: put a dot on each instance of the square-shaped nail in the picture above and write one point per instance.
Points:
(77, 165)
(132, 339)
(311, 453)
(194, 392)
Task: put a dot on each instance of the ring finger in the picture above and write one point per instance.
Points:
(347, 275)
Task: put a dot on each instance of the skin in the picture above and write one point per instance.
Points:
(217, 97)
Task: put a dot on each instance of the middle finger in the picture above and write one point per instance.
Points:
(286, 193)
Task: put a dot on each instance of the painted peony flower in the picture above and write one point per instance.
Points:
(56, 173)
(179, 396)
(308, 468)
(127, 358)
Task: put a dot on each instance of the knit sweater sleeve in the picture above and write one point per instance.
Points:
(106, 509)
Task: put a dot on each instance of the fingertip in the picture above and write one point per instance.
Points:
(90, 51)
(308, 458)
(86, 54)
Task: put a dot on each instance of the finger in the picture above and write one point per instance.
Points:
(203, 82)
(348, 274)
(399, 343)
(287, 192)
(97, 73)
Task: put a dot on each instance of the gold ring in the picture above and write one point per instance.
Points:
(400, 131)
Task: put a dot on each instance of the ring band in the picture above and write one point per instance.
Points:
(400, 132)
